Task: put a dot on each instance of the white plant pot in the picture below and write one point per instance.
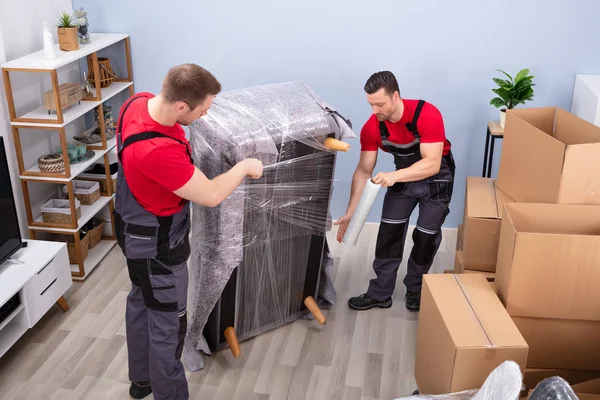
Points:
(502, 118)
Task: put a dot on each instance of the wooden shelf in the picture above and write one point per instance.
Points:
(94, 258)
(39, 118)
(76, 169)
(87, 213)
(74, 112)
(37, 61)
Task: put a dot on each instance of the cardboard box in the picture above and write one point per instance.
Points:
(483, 213)
(560, 343)
(533, 376)
(587, 390)
(549, 261)
(464, 334)
(550, 156)
(459, 268)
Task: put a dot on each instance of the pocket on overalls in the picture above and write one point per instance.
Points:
(440, 190)
(179, 235)
(163, 286)
(140, 241)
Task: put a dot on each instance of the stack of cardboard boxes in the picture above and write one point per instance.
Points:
(535, 233)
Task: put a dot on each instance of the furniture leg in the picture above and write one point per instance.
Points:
(489, 172)
(232, 341)
(62, 303)
(485, 154)
(312, 306)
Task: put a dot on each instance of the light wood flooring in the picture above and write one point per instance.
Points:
(369, 355)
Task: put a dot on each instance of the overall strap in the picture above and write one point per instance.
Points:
(412, 126)
(120, 127)
(138, 137)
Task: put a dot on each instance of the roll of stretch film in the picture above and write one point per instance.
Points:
(361, 212)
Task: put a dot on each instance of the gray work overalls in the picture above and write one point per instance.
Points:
(157, 250)
(433, 196)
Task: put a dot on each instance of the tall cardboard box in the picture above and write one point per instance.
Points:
(483, 213)
(549, 261)
(561, 343)
(464, 334)
(459, 268)
(550, 156)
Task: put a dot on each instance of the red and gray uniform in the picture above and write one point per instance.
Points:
(420, 123)
(152, 226)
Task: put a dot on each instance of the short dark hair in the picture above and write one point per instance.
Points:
(382, 79)
(189, 83)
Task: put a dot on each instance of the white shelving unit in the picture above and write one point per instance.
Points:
(40, 118)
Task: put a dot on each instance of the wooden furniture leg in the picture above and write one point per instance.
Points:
(312, 306)
(232, 341)
(62, 303)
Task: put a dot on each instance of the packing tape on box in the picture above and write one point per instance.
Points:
(361, 212)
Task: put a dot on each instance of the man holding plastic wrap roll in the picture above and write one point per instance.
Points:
(412, 131)
(156, 181)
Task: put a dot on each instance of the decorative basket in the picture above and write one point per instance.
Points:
(58, 211)
(85, 191)
(95, 234)
(51, 163)
(107, 75)
(72, 249)
(96, 173)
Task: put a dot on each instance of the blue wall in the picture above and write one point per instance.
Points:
(443, 51)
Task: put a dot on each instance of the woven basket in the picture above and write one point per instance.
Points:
(59, 218)
(51, 163)
(107, 75)
(72, 249)
(85, 191)
(95, 234)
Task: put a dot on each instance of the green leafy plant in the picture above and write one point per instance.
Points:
(65, 20)
(512, 92)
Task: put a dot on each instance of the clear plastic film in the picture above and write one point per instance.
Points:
(256, 256)
(503, 383)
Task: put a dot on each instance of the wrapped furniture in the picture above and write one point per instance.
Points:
(261, 253)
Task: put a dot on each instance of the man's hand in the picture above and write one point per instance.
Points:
(343, 226)
(253, 168)
(385, 179)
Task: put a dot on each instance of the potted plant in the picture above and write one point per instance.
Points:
(512, 92)
(67, 32)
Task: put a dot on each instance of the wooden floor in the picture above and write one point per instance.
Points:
(368, 355)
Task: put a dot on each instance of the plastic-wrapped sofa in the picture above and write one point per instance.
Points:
(262, 252)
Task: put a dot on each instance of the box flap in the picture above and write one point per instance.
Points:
(579, 185)
(501, 200)
(456, 312)
(590, 387)
(481, 198)
(491, 314)
(543, 118)
(572, 130)
(574, 219)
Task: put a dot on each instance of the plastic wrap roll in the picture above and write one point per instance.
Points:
(362, 211)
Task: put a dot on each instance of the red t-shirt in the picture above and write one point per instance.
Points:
(430, 126)
(155, 168)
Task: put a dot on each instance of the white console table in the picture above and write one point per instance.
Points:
(40, 274)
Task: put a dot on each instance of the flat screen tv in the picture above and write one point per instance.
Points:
(10, 235)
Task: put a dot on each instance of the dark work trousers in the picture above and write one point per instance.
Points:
(433, 198)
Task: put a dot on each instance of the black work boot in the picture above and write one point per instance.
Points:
(139, 390)
(364, 302)
(413, 300)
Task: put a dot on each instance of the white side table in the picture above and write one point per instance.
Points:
(36, 278)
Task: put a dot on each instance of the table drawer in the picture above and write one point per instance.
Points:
(46, 275)
(48, 296)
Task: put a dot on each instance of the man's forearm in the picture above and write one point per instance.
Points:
(422, 169)
(223, 185)
(359, 180)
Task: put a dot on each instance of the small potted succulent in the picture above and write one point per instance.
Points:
(512, 92)
(67, 32)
